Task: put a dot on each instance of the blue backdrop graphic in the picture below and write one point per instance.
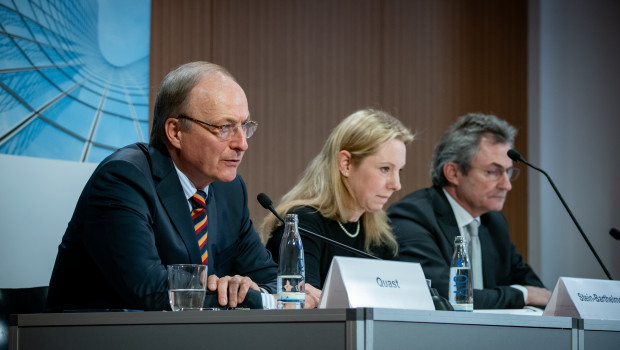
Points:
(73, 77)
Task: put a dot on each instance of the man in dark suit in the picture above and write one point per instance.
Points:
(133, 216)
(471, 174)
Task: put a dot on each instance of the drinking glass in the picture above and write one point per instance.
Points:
(187, 286)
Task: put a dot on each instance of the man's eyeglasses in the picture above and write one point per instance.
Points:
(227, 131)
(498, 172)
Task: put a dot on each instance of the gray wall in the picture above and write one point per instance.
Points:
(574, 72)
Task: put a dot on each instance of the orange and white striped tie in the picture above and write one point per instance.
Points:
(199, 216)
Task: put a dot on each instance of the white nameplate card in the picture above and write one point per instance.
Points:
(357, 282)
(585, 298)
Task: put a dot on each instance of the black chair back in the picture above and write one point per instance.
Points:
(19, 301)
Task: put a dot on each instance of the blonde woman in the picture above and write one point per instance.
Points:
(342, 192)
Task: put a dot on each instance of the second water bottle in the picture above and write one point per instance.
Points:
(461, 293)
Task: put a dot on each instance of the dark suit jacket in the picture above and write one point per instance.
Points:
(132, 219)
(425, 227)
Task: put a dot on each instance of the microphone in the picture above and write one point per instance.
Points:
(516, 157)
(615, 233)
(266, 203)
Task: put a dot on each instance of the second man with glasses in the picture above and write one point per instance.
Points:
(471, 175)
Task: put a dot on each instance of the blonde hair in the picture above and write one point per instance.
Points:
(323, 187)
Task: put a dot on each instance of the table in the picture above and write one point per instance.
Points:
(363, 328)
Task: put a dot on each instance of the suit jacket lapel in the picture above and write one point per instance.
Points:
(445, 217)
(489, 258)
(171, 196)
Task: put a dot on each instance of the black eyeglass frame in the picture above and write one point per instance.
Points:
(497, 173)
(248, 127)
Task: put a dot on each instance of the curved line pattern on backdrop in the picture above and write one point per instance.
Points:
(59, 96)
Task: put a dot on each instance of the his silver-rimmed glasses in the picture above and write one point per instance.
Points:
(227, 131)
(498, 172)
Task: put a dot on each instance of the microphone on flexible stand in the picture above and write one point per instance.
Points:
(515, 156)
(615, 233)
(266, 203)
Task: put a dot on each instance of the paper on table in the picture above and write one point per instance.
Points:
(528, 310)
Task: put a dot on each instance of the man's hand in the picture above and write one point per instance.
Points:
(231, 291)
(537, 296)
(313, 295)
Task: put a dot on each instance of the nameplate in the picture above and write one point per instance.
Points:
(585, 298)
(357, 282)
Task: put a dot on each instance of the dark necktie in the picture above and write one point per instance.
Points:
(199, 216)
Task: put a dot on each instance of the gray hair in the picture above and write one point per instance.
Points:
(461, 142)
(173, 92)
